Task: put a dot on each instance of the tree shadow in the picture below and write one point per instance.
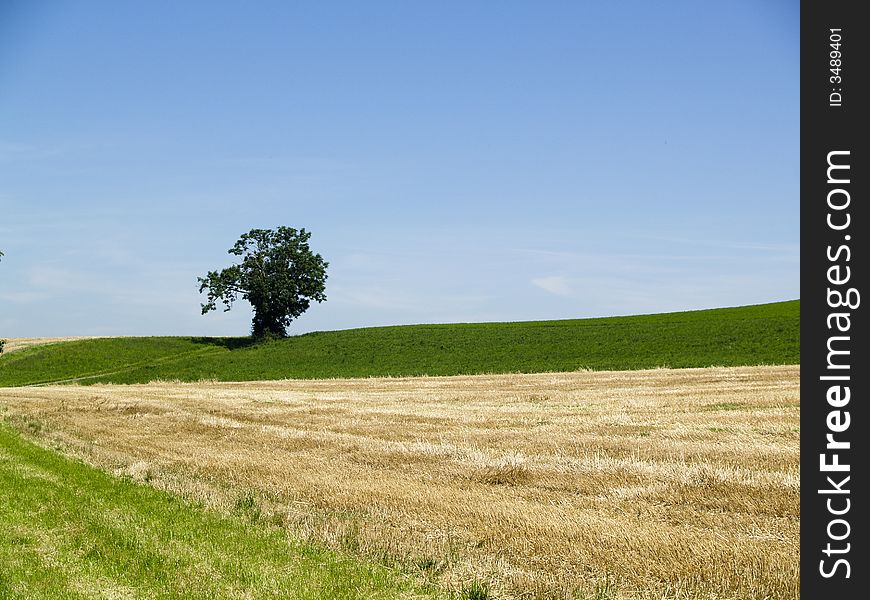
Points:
(230, 343)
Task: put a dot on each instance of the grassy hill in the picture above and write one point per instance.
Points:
(748, 335)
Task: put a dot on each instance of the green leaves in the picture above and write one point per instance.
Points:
(278, 275)
(221, 285)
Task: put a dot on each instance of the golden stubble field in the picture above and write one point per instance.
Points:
(657, 484)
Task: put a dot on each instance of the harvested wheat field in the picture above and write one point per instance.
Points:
(678, 484)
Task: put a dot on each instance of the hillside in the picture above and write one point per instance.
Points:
(748, 335)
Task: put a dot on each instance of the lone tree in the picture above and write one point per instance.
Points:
(279, 275)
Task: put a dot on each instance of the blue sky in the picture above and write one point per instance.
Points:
(455, 161)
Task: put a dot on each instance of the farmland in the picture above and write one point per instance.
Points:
(749, 335)
(71, 531)
(641, 484)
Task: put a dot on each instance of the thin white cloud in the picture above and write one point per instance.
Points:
(372, 298)
(57, 278)
(728, 244)
(554, 284)
(11, 151)
(23, 297)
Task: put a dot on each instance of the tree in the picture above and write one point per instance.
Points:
(279, 275)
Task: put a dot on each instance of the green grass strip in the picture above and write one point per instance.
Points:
(71, 531)
(748, 335)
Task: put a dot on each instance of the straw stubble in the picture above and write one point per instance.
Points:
(637, 484)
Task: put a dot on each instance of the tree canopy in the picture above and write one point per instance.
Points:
(278, 275)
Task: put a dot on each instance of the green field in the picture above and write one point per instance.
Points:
(71, 531)
(748, 335)
(68, 530)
